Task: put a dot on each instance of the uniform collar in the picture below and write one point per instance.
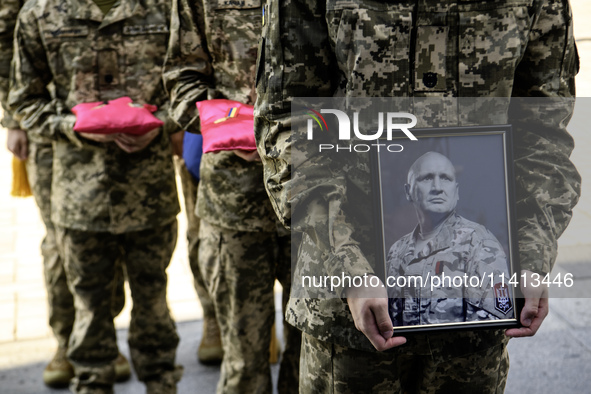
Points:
(443, 238)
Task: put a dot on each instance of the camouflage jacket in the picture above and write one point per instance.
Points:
(212, 54)
(90, 57)
(8, 12)
(460, 247)
(365, 48)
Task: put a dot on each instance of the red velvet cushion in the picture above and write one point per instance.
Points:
(226, 125)
(116, 116)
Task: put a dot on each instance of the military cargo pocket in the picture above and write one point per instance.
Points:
(145, 45)
(108, 68)
(491, 41)
(69, 56)
(144, 51)
(234, 31)
(430, 58)
(372, 47)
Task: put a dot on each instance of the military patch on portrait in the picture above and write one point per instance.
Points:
(502, 298)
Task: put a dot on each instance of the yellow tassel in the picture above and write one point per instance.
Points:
(274, 347)
(20, 180)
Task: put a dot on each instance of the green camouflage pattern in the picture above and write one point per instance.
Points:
(243, 299)
(96, 186)
(60, 302)
(212, 54)
(8, 12)
(39, 173)
(189, 188)
(461, 247)
(232, 194)
(364, 48)
(90, 263)
(330, 368)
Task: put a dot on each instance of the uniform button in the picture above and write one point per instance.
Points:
(430, 79)
(108, 78)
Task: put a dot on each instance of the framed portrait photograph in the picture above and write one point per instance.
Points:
(447, 238)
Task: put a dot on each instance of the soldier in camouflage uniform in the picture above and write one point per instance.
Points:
(113, 197)
(415, 49)
(212, 54)
(443, 244)
(39, 168)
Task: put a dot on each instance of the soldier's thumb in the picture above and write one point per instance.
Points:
(383, 321)
(530, 311)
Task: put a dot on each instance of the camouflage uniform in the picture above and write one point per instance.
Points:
(8, 12)
(39, 168)
(415, 49)
(212, 54)
(107, 205)
(189, 186)
(461, 247)
(60, 300)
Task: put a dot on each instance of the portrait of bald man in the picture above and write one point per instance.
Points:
(452, 267)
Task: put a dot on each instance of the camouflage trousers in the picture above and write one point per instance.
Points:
(420, 366)
(239, 269)
(59, 299)
(90, 260)
(189, 186)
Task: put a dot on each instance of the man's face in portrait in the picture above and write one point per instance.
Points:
(432, 186)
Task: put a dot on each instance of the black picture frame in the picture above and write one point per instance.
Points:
(483, 161)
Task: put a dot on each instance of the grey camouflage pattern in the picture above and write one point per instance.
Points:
(96, 186)
(461, 247)
(330, 368)
(60, 302)
(89, 260)
(243, 299)
(189, 187)
(518, 48)
(109, 207)
(212, 54)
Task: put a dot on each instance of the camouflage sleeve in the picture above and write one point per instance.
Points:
(8, 12)
(29, 98)
(187, 69)
(547, 183)
(296, 60)
(395, 294)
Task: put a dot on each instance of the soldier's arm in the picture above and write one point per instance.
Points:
(8, 13)
(548, 185)
(29, 98)
(187, 72)
(16, 139)
(296, 60)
